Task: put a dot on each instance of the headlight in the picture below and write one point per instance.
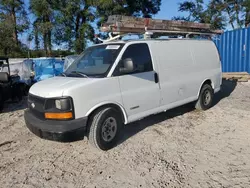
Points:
(63, 104)
(59, 108)
(58, 104)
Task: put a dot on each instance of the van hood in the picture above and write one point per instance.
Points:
(54, 87)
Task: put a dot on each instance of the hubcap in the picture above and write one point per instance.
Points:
(207, 97)
(109, 129)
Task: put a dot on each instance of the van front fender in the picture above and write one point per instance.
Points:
(107, 103)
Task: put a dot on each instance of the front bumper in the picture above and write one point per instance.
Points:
(63, 131)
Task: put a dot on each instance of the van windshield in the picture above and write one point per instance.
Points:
(96, 61)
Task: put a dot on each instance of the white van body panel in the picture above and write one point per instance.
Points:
(182, 67)
(109, 103)
(86, 92)
(87, 96)
(54, 87)
(207, 62)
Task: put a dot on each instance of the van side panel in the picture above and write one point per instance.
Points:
(207, 63)
(176, 71)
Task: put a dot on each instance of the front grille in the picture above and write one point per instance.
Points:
(36, 99)
(36, 105)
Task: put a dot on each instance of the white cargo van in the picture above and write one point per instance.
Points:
(117, 83)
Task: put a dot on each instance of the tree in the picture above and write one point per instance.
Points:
(65, 23)
(43, 24)
(199, 12)
(7, 42)
(138, 8)
(75, 19)
(246, 7)
(237, 11)
(13, 21)
(232, 9)
(218, 12)
(223, 6)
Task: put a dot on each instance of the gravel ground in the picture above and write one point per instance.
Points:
(179, 148)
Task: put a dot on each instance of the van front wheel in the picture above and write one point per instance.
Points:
(105, 126)
(206, 96)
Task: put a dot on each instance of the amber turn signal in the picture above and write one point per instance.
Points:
(62, 116)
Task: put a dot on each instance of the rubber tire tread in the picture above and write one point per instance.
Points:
(1, 102)
(94, 125)
(199, 105)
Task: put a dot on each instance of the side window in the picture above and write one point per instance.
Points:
(140, 55)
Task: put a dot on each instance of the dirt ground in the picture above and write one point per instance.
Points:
(179, 148)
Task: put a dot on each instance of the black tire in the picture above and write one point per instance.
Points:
(1, 102)
(26, 90)
(206, 97)
(20, 92)
(101, 125)
(16, 93)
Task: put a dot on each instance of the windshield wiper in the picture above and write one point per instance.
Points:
(79, 73)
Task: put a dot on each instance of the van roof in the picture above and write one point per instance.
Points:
(158, 39)
(150, 40)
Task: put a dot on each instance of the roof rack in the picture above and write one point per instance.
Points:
(123, 25)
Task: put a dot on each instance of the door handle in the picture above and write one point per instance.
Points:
(156, 78)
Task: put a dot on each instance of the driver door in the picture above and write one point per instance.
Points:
(140, 88)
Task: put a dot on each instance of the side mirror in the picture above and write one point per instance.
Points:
(128, 66)
(4, 77)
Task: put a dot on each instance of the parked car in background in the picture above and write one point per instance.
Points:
(10, 85)
(22, 68)
(117, 83)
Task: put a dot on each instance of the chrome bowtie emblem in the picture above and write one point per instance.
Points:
(33, 105)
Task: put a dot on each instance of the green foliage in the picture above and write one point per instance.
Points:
(218, 12)
(75, 18)
(54, 53)
(70, 23)
(73, 28)
(43, 25)
(199, 12)
(13, 21)
(138, 8)
(14, 11)
(246, 7)
(65, 23)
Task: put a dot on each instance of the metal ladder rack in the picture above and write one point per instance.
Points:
(123, 25)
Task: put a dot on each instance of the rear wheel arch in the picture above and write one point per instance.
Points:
(207, 81)
(205, 99)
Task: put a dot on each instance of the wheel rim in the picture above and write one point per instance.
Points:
(109, 129)
(207, 97)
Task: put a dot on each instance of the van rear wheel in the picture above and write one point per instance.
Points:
(105, 126)
(206, 96)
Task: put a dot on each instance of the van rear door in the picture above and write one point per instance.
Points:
(139, 89)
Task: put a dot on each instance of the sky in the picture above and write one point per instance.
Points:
(169, 9)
